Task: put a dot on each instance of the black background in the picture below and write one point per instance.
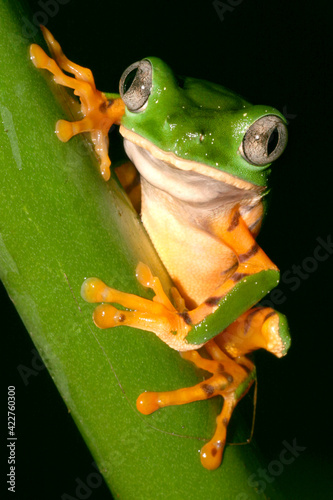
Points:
(272, 52)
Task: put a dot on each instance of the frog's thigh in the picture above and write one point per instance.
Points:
(229, 380)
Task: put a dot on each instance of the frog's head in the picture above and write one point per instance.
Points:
(200, 126)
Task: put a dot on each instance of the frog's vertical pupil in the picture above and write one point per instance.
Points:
(264, 140)
(273, 141)
(129, 80)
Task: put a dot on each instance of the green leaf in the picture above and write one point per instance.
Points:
(60, 223)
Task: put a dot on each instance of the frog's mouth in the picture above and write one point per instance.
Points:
(187, 180)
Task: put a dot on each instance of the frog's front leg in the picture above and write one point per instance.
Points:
(160, 316)
(252, 260)
(99, 112)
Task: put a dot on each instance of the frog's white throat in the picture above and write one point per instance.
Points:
(192, 187)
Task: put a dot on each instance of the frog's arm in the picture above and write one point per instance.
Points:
(100, 111)
(254, 277)
(185, 330)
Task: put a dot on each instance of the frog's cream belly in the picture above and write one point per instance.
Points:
(197, 262)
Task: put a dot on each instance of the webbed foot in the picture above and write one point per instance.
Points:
(231, 379)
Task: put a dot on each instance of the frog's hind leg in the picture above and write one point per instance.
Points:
(232, 372)
(230, 379)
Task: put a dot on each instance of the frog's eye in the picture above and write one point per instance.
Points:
(135, 85)
(264, 141)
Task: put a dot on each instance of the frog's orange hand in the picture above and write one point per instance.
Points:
(228, 380)
(158, 316)
(99, 112)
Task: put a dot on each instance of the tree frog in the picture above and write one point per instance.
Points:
(204, 155)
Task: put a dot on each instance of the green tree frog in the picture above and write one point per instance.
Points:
(204, 156)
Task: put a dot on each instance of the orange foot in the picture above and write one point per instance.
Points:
(232, 372)
(231, 379)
